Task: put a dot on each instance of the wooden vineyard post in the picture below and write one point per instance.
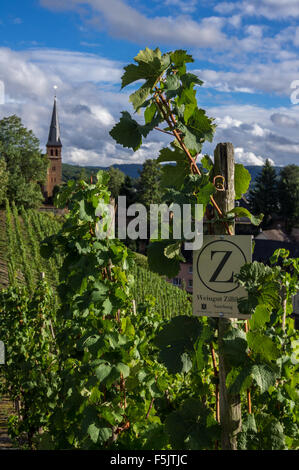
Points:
(230, 405)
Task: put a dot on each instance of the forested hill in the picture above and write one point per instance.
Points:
(130, 169)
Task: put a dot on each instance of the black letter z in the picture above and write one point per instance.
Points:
(221, 266)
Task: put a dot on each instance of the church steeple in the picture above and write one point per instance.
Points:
(54, 147)
(54, 133)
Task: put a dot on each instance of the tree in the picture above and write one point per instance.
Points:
(129, 190)
(26, 165)
(117, 178)
(83, 175)
(264, 195)
(150, 183)
(3, 179)
(288, 187)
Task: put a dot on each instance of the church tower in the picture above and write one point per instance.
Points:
(54, 147)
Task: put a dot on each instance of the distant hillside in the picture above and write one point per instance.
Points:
(255, 170)
(74, 171)
(130, 169)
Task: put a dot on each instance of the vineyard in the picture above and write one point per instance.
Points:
(21, 235)
(101, 352)
(21, 263)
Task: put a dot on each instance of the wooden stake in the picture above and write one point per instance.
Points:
(230, 405)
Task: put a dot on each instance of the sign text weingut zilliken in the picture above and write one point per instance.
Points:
(215, 289)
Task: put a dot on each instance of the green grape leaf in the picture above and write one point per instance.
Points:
(151, 64)
(173, 250)
(149, 113)
(139, 97)
(273, 436)
(264, 376)
(93, 431)
(64, 195)
(129, 133)
(159, 263)
(175, 339)
(123, 369)
(84, 211)
(103, 371)
(207, 162)
(201, 125)
(174, 175)
(168, 155)
(192, 426)
(180, 57)
(126, 132)
(189, 79)
(172, 84)
(263, 345)
(242, 180)
(242, 212)
(238, 380)
(247, 438)
(260, 317)
(187, 96)
(234, 346)
(204, 194)
(199, 129)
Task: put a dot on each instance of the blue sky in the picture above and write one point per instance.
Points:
(246, 52)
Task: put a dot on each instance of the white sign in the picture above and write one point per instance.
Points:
(215, 289)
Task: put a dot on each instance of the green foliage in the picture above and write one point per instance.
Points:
(263, 196)
(109, 372)
(176, 340)
(3, 179)
(127, 378)
(116, 181)
(168, 98)
(242, 180)
(24, 233)
(272, 363)
(242, 212)
(156, 252)
(30, 375)
(170, 300)
(192, 427)
(288, 190)
(149, 189)
(25, 164)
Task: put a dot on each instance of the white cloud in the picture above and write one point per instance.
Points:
(132, 25)
(249, 158)
(186, 6)
(227, 122)
(296, 37)
(284, 121)
(253, 129)
(270, 9)
(102, 115)
(76, 66)
(254, 77)
(235, 21)
(89, 105)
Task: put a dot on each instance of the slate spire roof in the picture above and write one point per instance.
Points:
(54, 133)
